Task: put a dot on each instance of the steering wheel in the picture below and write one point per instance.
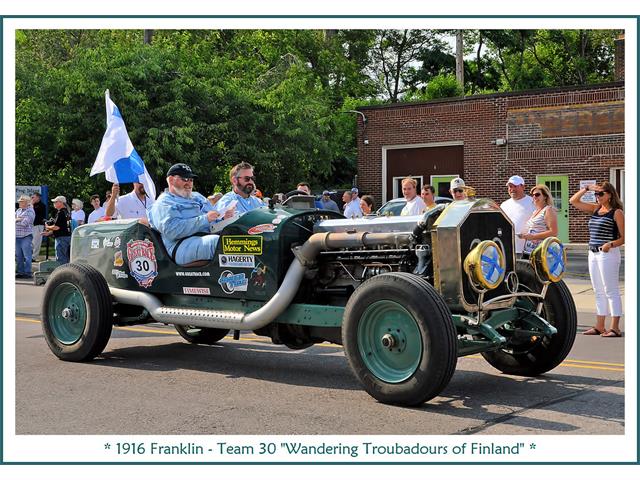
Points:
(293, 193)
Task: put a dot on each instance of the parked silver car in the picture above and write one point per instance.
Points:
(393, 207)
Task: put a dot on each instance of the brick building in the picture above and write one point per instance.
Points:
(558, 136)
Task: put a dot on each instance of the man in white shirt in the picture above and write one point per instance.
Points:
(414, 205)
(132, 205)
(352, 204)
(98, 211)
(518, 208)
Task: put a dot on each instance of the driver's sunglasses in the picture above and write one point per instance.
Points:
(186, 180)
(247, 178)
(458, 190)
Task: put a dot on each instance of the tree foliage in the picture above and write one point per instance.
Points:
(276, 98)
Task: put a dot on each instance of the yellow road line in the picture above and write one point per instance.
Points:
(595, 363)
(22, 319)
(569, 365)
(592, 365)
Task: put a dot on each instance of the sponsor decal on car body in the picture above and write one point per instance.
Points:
(142, 261)
(233, 282)
(193, 274)
(263, 228)
(118, 261)
(119, 274)
(196, 290)
(237, 261)
(242, 245)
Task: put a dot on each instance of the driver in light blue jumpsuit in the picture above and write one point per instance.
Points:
(180, 213)
(243, 183)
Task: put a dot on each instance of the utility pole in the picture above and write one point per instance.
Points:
(459, 60)
(148, 36)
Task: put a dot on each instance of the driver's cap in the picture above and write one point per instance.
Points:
(181, 169)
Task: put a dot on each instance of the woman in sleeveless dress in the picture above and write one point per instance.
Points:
(543, 222)
(606, 234)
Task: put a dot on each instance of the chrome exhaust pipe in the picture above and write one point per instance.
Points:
(229, 319)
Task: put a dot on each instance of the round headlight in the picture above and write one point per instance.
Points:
(485, 265)
(549, 260)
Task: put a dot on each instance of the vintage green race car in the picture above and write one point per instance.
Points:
(405, 296)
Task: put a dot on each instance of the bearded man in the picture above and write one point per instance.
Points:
(180, 213)
(243, 182)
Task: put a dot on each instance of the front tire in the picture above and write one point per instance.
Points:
(77, 313)
(201, 336)
(547, 352)
(399, 339)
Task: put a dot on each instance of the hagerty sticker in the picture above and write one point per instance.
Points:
(233, 282)
(242, 245)
(237, 261)
(142, 261)
(196, 290)
(95, 243)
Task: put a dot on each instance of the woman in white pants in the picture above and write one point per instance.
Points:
(606, 234)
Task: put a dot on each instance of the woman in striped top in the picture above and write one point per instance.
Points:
(543, 222)
(606, 234)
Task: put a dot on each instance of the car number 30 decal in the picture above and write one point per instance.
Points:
(142, 261)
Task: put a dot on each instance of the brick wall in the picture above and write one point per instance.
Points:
(577, 132)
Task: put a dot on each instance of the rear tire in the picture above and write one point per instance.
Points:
(548, 352)
(399, 339)
(201, 336)
(77, 313)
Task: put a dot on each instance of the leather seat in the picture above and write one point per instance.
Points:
(156, 237)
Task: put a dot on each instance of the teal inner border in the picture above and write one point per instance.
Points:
(2, 17)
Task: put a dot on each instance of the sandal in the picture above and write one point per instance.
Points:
(593, 331)
(612, 333)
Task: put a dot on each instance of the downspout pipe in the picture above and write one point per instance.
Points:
(305, 255)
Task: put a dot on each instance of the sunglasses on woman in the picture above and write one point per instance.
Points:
(537, 194)
(600, 194)
(458, 190)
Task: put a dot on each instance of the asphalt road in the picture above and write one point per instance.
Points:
(150, 381)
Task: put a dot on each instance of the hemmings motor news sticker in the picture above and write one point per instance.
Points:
(95, 243)
(233, 282)
(142, 261)
(237, 261)
(242, 245)
(196, 290)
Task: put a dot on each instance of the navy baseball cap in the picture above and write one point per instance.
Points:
(181, 169)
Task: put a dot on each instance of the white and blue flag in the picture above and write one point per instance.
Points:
(117, 157)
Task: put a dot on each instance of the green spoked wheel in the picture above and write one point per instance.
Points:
(67, 313)
(77, 312)
(203, 336)
(399, 339)
(389, 341)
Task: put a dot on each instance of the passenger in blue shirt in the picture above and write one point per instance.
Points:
(243, 182)
(180, 213)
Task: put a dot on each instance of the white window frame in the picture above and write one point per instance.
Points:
(612, 179)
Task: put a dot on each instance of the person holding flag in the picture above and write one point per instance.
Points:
(122, 164)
